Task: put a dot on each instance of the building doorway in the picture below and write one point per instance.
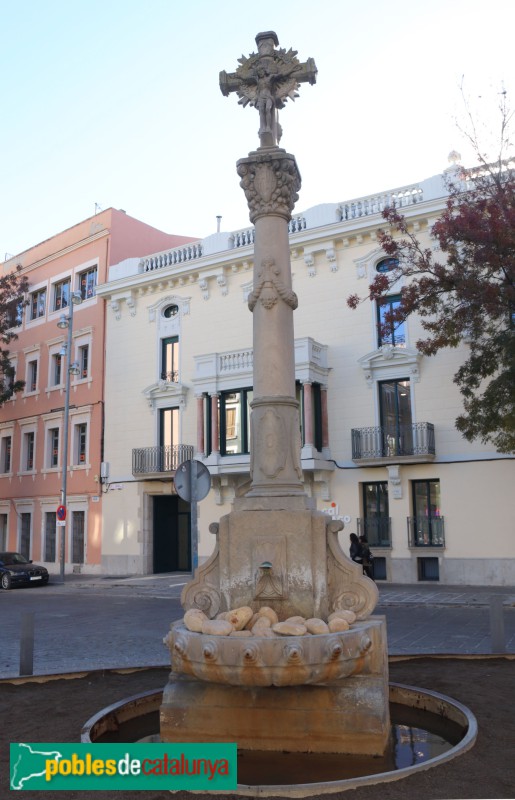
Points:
(171, 534)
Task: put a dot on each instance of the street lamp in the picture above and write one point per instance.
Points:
(73, 369)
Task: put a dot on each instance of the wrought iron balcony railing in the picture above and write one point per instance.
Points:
(417, 439)
(378, 530)
(426, 531)
(165, 458)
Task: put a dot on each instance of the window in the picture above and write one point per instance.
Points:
(78, 537)
(235, 422)
(29, 440)
(32, 376)
(386, 332)
(428, 569)
(81, 433)
(50, 536)
(53, 447)
(376, 516)
(427, 523)
(395, 412)
(170, 360)
(84, 360)
(10, 376)
(171, 311)
(38, 304)
(87, 283)
(25, 525)
(61, 295)
(56, 375)
(5, 454)
(387, 264)
(3, 531)
(15, 313)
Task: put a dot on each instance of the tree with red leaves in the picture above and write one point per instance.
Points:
(464, 291)
(13, 287)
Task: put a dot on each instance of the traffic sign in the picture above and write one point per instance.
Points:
(61, 513)
(192, 483)
(189, 472)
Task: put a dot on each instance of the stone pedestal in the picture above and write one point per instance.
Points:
(276, 551)
(344, 715)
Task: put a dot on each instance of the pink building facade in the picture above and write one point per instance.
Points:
(32, 423)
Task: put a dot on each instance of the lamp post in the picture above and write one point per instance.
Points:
(72, 369)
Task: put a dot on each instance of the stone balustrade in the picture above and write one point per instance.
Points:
(375, 204)
(348, 210)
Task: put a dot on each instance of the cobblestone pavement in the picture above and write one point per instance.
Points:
(106, 623)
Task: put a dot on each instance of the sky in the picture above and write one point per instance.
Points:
(117, 103)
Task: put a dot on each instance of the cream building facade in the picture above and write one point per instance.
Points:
(379, 446)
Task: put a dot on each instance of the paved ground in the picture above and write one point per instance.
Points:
(91, 623)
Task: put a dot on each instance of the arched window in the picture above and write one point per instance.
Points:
(387, 264)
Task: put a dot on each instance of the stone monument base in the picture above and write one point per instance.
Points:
(346, 715)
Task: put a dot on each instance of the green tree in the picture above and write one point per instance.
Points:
(464, 291)
(13, 287)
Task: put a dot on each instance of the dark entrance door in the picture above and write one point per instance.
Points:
(172, 542)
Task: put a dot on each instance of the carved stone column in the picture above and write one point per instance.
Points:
(215, 436)
(271, 180)
(307, 391)
(200, 425)
(325, 419)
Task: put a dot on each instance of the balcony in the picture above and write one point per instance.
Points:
(426, 531)
(413, 443)
(154, 462)
(378, 530)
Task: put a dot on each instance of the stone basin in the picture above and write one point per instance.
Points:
(278, 661)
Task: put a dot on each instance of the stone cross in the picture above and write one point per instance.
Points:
(266, 80)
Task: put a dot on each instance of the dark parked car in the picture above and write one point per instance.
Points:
(15, 570)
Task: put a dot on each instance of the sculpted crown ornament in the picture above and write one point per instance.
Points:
(265, 80)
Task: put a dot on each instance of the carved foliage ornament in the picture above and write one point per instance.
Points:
(269, 288)
(270, 183)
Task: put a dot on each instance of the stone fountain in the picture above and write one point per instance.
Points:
(323, 692)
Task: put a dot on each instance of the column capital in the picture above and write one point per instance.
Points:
(271, 180)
